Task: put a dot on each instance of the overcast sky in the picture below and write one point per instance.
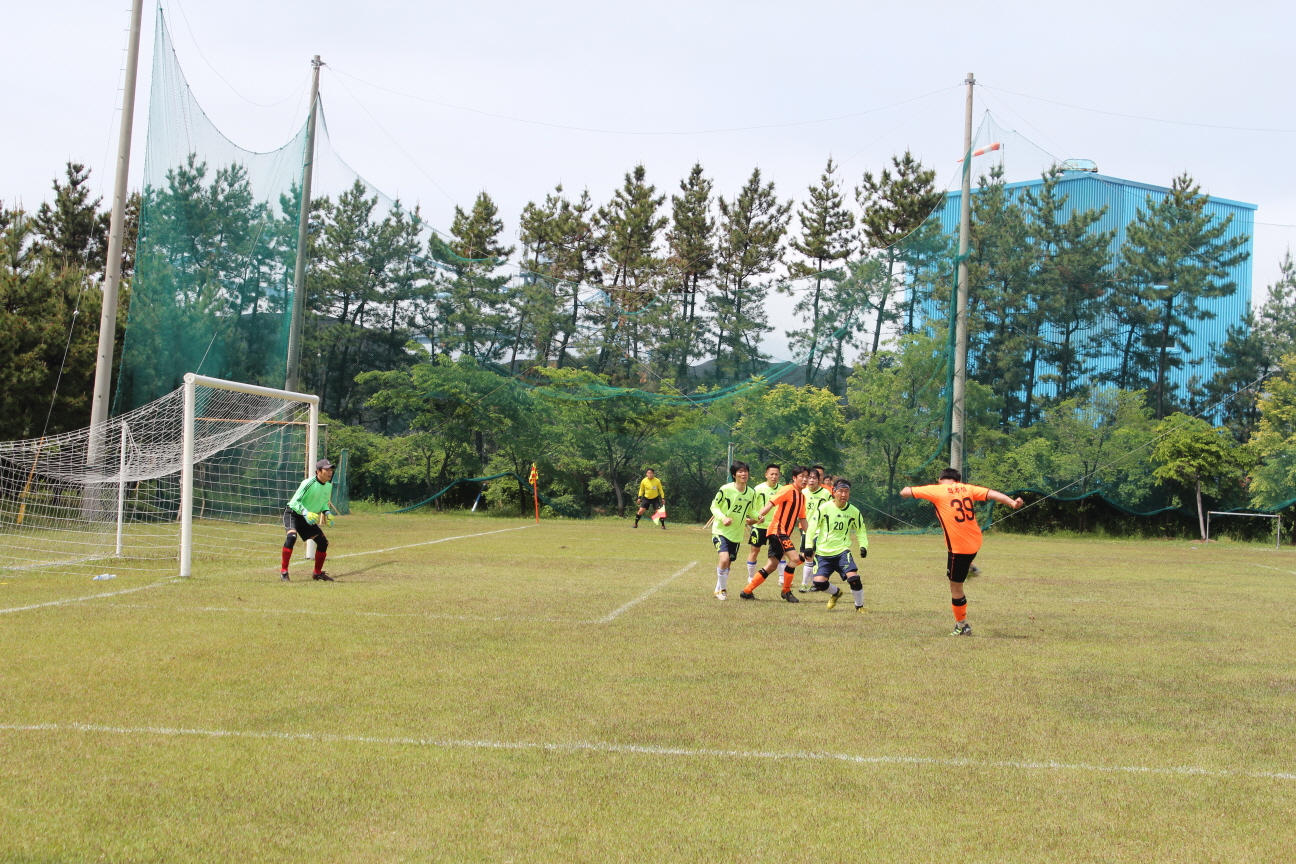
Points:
(659, 77)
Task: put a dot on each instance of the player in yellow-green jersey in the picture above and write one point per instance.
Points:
(817, 495)
(763, 493)
(838, 519)
(729, 510)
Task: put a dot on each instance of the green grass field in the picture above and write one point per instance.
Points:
(572, 692)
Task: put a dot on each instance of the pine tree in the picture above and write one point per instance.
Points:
(827, 236)
(562, 248)
(692, 262)
(750, 245)
(1074, 262)
(475, 307)
(629, 226)
(895, 206)
(74, 233)
(1177, 254)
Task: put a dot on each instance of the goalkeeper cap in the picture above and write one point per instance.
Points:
(323, 464)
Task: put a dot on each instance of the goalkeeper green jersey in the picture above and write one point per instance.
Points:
(835, 525)
(816, 501)
(762, 493)
(312, 496)
(735, 505)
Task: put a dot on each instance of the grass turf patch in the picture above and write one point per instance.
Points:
(573, 692)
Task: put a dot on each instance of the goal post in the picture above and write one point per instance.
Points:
(189, 434)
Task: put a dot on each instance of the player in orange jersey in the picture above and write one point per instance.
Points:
(955, 508)
(789, 507)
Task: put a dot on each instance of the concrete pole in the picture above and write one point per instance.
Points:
(116, 229)
(960, 318)
(303, 225)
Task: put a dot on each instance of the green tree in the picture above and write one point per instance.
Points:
(749, 246)
(74, 232)
(1192, 452)
(1176, 255)
(799, 424)
(691, 265)
(895, 209)
(1273, 446)
(561, 253)
(630, 229)
(827, 236)
(473, 304)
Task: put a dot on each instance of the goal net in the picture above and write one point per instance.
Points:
(202, 473)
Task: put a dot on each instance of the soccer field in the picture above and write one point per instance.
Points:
(573, 692)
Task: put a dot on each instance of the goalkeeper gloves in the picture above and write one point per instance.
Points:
(863, 551)
(328, 519)
(312, 518)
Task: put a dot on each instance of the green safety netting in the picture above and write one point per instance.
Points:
(523, 484)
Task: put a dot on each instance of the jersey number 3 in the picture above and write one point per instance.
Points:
(965, 512)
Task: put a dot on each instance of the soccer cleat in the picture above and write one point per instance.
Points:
(863, 610)
(744, 595)
(974, 570)
(722, 594)
(962, 628)
(832, 601)
(790, 597)
(322, 577)
(283, 575)
(804, 588)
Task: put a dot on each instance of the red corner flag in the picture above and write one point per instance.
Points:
(535, 490)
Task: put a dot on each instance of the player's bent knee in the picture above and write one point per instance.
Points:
(855, 583)
(820, 586)
(291, 540)
(321, 543)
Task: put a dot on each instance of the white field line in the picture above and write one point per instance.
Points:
(426, 543)
(68, 600)
(327, 612)
(1279, 569)
(644, 750)
(644, 596)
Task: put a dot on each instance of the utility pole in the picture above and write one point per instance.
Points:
(303, 225)
(960, 322)
(116, 230)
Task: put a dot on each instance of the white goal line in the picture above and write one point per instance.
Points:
(647, 750)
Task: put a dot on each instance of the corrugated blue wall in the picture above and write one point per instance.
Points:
(1123, 200)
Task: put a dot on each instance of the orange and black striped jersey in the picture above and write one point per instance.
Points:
(789, 508)
(954, 507)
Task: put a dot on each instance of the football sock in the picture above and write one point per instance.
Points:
(788, 573)
(756, 581)
(833, 590)
(960, 609)
(284, 558)
(319, 561)
(637, 518)
(859, 596)
(805, 574)
(751, 569)
(722, 579)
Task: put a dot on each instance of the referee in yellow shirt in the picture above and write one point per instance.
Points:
(652, 495)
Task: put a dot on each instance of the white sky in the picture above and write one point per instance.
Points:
(676, 66)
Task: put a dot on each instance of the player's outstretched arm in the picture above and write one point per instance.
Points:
(906, 492)
(1003, 499)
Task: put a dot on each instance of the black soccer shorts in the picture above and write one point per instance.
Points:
(842, 562)
(724, 544)
(650, 504)
(957, 566)
(780, 545)
(294, 521)
(757, 538)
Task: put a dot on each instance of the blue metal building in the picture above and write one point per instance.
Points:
(1086, 189)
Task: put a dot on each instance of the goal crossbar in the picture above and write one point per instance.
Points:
(191, 384)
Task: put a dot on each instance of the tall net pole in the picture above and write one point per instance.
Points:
(960, 322)
(303, 224)
(116, 230)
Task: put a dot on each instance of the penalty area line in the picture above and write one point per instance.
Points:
(68, 600)
(647, 750)
(644, 596)
(426, 543)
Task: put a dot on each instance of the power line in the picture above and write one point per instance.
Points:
(640, 132)
(232, 88)
(1140, 117)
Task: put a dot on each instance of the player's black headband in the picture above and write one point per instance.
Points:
(841, 484)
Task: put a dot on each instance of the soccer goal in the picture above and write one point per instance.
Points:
(1278, 524)
(204, 472)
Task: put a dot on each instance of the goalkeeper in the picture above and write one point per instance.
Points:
(310, 507)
